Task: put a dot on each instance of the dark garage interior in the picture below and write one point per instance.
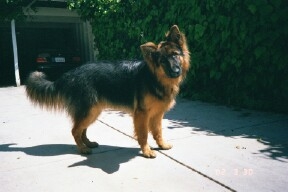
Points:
(6, 57)
(31, 38)
(48, 25)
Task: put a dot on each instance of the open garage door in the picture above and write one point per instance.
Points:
(49, 29)
(41, 37)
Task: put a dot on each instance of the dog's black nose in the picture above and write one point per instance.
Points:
(175, 72)
(176, 69)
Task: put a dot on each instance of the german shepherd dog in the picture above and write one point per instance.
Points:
(145, 89)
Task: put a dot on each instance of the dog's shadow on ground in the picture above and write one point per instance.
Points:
(107, 158)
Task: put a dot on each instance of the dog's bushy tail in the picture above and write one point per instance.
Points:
(43, 92)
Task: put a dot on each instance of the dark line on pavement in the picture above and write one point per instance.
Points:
(116, 129)
(175, 160)
(196, 171)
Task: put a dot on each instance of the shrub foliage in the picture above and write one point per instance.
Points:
(239, 49)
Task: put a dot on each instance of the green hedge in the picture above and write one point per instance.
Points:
(239, 48)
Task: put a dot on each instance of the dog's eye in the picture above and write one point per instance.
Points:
(176, 56)
(177, 53)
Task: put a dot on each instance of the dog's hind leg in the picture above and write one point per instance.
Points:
(155, 126)
(77, 133)
(87, 142)
(80, 128)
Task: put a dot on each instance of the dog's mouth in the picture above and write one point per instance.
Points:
(175, 72)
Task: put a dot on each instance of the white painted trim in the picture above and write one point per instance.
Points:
(15, 52)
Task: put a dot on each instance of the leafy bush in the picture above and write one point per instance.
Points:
(11, 9)
(239, 48)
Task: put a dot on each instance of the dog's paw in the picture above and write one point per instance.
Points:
(149, 153)
(85, 150)
(165, 146)
(92, 144)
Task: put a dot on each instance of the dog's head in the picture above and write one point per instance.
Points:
(170, 58)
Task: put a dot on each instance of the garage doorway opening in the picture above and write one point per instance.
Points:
(65, 34)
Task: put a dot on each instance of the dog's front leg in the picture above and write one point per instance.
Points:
(140, 119)
(155, 126)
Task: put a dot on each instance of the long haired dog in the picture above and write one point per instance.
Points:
(146, 89)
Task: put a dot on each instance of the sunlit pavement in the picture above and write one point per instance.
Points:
(215, 148)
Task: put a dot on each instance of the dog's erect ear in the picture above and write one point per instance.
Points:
(148, 51)
(174, 35)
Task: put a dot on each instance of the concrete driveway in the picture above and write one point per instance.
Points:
(215, 148)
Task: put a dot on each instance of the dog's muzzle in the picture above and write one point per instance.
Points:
(174, 67)
(175, 71)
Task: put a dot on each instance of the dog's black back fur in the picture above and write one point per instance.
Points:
(116, 83)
